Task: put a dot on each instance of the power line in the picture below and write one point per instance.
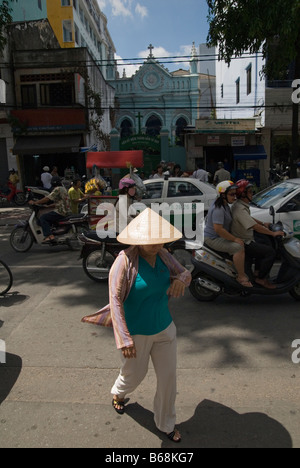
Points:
(130, 61)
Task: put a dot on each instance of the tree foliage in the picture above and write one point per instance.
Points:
(272, 26)
(5, 19)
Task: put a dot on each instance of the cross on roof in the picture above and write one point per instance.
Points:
(151, 47)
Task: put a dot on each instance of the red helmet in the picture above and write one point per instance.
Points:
(242, 186)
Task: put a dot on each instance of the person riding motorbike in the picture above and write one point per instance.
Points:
(127, 188)
(217, 230)
(59, 196)
(244, 226)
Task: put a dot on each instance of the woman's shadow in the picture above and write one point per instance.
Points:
(9, 374)
(217, 426)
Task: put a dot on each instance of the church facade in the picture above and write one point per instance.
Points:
(155, 101)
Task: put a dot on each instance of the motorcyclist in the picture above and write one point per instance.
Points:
(59, 196)
(127, 188)
(217, 230)
(244, 226)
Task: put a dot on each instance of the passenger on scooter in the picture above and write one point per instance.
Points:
(217, 230)
(244, 227)
(59, 196)
(127, 187)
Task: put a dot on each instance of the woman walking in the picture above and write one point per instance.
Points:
(142, 280)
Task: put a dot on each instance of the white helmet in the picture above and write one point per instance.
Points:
(224, 187)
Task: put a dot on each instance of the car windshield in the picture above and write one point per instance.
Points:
(272, 195)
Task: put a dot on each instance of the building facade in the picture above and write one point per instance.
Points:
(59, 103)
(253, 124)
(76, 23)
(155, 100)
(55, 89)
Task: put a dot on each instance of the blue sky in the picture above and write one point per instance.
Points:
(170, 25)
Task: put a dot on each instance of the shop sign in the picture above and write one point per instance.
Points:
(238, 141)
(213, 140)
(226, 126)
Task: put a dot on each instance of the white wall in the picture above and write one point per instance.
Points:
(249, 105)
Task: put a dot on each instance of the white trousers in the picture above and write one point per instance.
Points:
(162, 348)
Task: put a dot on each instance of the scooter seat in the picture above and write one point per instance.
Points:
(93, 236)
(78, 216)
(224, 255)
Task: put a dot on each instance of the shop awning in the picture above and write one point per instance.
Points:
(36, 145)
(115, 159)
(249, 153)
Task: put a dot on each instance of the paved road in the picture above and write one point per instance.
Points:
(237, 385)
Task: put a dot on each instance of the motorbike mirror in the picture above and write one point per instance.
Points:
(272, 213)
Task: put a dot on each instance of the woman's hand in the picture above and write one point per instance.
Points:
(177, 289)
(129, 353)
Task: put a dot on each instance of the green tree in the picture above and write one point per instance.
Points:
(5, 19)
(272, 26)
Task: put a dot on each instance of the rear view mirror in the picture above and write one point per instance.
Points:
(272, 213)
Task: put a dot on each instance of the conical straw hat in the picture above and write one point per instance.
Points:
(149, 229)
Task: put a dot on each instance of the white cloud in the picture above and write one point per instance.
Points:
(142, 11)
(102, 4)
(129, 69)
(121, 8)
(125, 8)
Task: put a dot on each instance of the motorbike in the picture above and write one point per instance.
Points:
(11, 194)
(26, 233)
(214, 272)
(276, 176)
(99, 255)
(35, 193)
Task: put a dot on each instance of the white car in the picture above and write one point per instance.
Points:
(177, 190)
(285, 198)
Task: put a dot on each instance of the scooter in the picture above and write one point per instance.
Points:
(99, 255)
(26, 233)
(11, 194)
(35, 193)
(215, 274)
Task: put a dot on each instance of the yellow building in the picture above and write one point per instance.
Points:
(61, 18)
(81, 23)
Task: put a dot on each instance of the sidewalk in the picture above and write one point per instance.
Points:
(10, 215)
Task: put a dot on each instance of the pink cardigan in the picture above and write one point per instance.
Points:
(121, 279)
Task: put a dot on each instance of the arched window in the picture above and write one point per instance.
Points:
(126, 128)
(181, 124)
(153, 126)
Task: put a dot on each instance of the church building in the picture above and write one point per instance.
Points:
(155, 101)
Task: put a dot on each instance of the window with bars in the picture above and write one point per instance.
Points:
(57, 94)
(29, 96)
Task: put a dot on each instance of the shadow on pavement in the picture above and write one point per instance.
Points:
(9, 374)
(217, 426)
(12, 299)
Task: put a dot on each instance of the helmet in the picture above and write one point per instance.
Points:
(224, 187)
(242, 186)
(126, 183)
(56, 181)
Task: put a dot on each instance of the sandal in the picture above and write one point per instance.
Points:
(245, 283)
(49, 239)
(120, 404)
(172, 436)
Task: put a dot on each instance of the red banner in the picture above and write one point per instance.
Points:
(115, 159)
